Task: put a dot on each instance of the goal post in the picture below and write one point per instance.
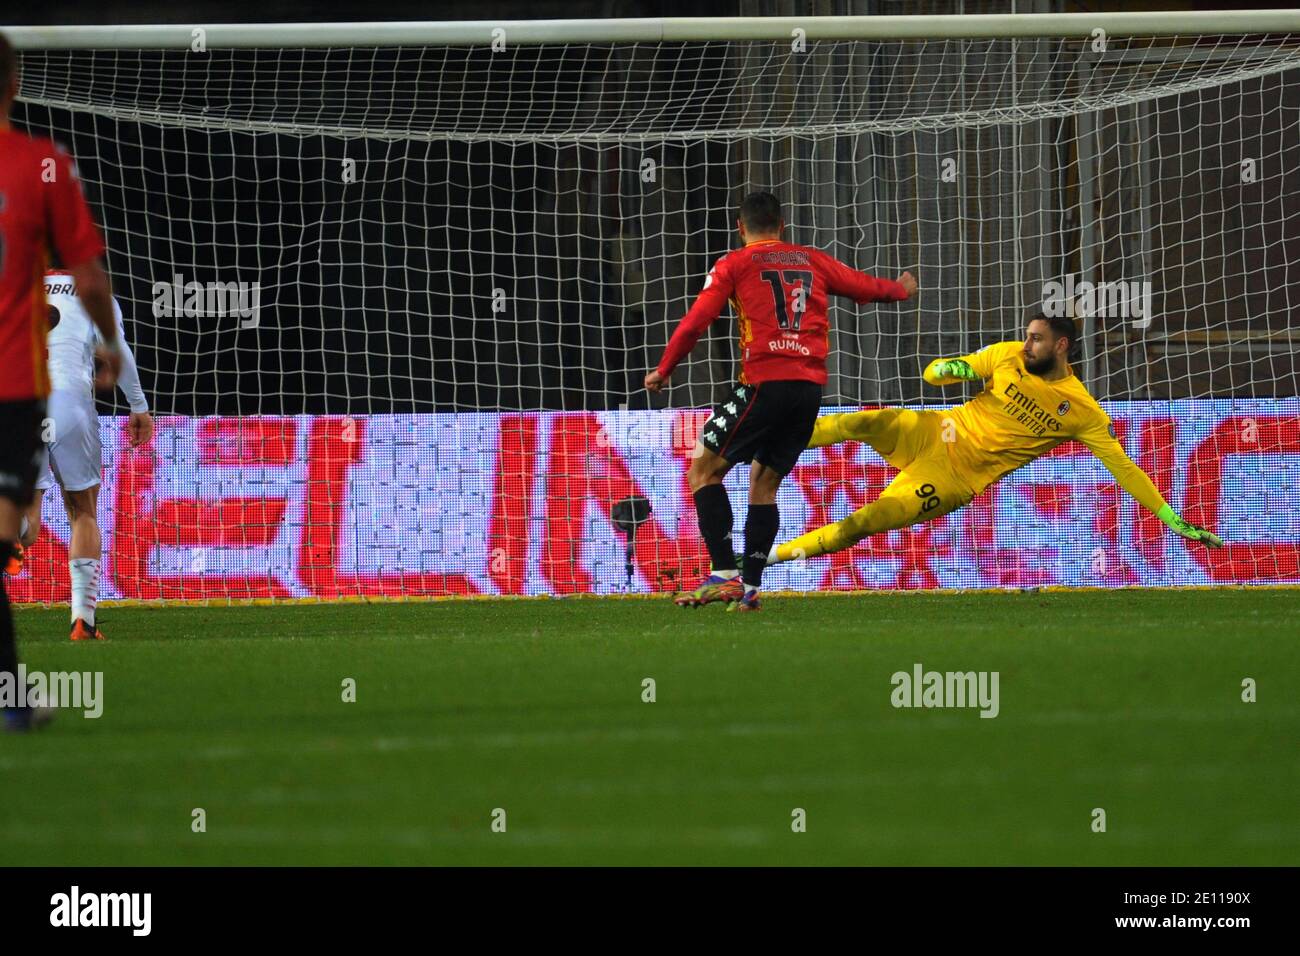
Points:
(393, 287)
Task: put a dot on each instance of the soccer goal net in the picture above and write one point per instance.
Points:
(393, 288)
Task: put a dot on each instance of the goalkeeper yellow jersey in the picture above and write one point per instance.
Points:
(1020, 416)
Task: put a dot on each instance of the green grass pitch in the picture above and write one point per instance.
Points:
(1128, 701)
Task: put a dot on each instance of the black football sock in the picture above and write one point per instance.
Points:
(8, 646)
(713, 510)
(761, 526)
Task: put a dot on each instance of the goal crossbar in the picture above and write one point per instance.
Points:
(652, 30)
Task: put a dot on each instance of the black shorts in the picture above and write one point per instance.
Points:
(769, 423)
(21, 449)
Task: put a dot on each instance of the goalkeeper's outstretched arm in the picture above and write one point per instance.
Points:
(968, 368)
(1102, 443)
(950, 371)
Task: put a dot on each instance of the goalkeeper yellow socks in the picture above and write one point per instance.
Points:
(810, 545)
(886, 513)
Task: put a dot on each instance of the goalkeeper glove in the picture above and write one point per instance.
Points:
(1188, 530)
(956, 368)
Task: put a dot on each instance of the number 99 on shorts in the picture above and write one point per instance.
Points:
(929, 498)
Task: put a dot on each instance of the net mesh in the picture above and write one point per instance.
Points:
(478, 230)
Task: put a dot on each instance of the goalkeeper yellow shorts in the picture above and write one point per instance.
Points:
(917, 444)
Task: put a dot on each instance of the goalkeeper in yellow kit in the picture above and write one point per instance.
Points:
(1031, 402)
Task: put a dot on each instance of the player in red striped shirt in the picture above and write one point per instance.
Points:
(780, 293)
(41, 207)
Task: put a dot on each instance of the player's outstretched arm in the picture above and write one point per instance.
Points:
(948, 371)
(1101, 440)
(1187, 530)
(140, 424)
(839, 278)
(968, 368)
(708, 306)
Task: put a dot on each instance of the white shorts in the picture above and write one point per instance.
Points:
(74, 454)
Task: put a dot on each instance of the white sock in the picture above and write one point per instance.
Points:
(726, 575)
(85, 588)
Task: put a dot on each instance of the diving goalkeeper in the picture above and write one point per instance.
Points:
(1031, 402)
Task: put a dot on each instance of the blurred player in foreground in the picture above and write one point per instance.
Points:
(1031, 402)
(780, 294)
(75, 452)
(41, 207)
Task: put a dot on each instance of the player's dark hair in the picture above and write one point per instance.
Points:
(1061, 325)
(760, 212)
(8, 63)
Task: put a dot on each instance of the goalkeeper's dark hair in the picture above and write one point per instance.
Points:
(1062, 325)
(8, 64)
(761, 213)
